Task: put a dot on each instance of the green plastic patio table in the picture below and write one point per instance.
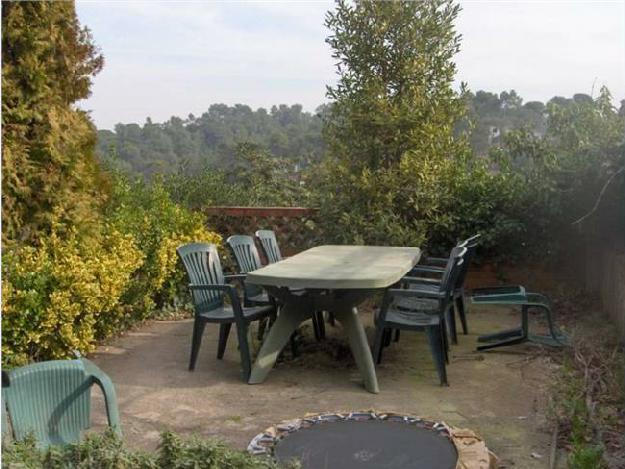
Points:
(328, 278)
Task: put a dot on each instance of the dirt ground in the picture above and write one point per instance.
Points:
(499, 394)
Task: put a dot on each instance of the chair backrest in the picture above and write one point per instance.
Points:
(50, 399)
(471, 246)
(246, 254)
(269, 244)
(201, 261)
(452, 270)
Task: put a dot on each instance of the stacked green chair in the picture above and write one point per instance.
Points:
(269, 244)
(208, 287)
(436, 266)
(414, 310)
(52, 400)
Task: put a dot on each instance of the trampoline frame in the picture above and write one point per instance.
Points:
(472, 452)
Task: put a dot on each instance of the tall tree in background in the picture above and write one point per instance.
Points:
(394, 93)
(49, 172)
(391, 120)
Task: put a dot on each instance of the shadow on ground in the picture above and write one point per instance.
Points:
(499, 394)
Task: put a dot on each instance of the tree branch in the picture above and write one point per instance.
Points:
(598, 201)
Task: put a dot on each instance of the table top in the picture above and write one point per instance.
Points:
(339, 267)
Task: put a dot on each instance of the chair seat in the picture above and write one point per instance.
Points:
(411, 319)
(260, 299)
(415, 304)
(226, 314)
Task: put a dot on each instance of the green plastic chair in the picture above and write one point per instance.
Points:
(516, 295)
(52, 400)
(269, 243)
(246, 255)
(458, 293)
(208, 287)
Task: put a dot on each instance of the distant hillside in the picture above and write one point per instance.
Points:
(212, 138)
(286, 132)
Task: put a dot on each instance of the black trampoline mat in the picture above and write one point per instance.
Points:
(369, 444)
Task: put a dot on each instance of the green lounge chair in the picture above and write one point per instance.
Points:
(516, 295)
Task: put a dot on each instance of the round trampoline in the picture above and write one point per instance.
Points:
(365, 440)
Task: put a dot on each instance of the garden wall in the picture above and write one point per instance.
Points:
(604, 275)
(294, 226)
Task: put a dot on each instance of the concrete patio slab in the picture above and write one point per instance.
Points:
(500, 394)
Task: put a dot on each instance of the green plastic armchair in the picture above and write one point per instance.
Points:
(52, 400)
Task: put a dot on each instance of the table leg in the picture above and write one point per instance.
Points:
(359, 346)
(289, 318)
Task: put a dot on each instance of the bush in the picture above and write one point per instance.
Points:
(62, 295)
(71, 290)
(108, 451)
(158, 226)
(426, 202)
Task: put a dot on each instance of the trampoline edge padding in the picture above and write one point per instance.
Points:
(471, 450)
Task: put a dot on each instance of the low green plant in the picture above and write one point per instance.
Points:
(107, 451)
(586, 398)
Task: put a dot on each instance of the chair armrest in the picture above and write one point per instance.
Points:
(436, 260)
(110, 398)
(431, 281)
(428, 268)
(241, 276)
(229, 290)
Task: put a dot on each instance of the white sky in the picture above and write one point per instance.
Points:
(172, 58)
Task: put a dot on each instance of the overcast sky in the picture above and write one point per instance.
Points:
(172, 58)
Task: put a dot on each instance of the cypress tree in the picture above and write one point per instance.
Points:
(50, 175)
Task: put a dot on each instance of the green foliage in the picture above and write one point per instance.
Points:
(71, 291)
(255, 178)
(566, 169)
(212, 139)
(394, 93)
(395, 172)
(158, 226)
(108, 451)
(49, 172)
(57, 298)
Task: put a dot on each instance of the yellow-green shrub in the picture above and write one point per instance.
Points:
(158, 226)
(59, 297)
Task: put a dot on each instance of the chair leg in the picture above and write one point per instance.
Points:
(460, 307)
(321, 324)
(396, 335)
(315, 321)
(262, 325)
(224, 330)
(198, 330)
(445, 339)
(331, 318)
(388, 335)
(437, 346)
(244, 351)
(377, 344)
(451, 318)
(293, 342)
